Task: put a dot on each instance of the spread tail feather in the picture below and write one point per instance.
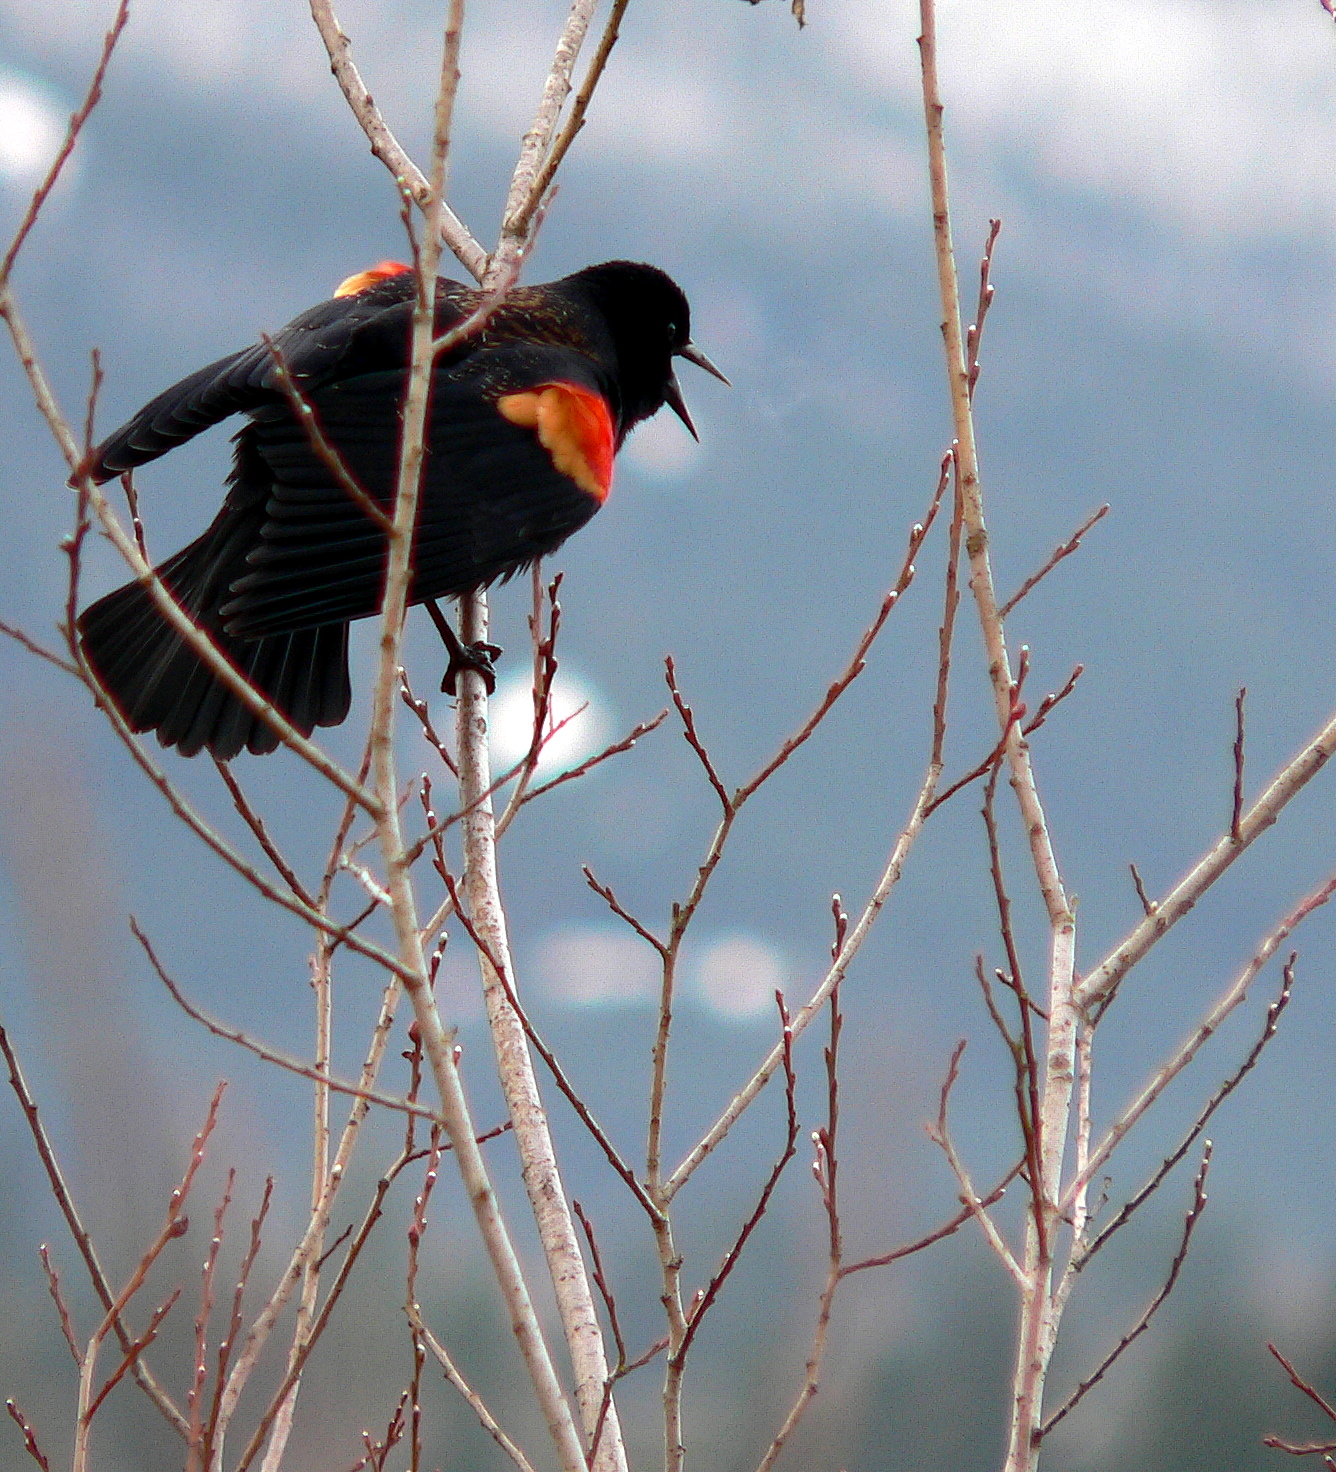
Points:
(159, 683)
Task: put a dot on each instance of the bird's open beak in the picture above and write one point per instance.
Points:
(694, 355)
(673, 396)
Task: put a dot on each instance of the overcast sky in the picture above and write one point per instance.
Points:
(1164, 338)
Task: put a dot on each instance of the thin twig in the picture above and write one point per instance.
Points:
(1273, 1013)
(1237, 814)
(1309, 1448)
(327, 454)
(1064, 550)
(83, 1241)
(385, 145)
(1188, 1050)
(1147, 904)
(974, 334)
(939, 1133)
(257, 826)
(706, 1299)
(825, 1171)
(605, 893)
(588, 765)
(947, 1229)
(1143, 1323)
(29, 1436)
(76, 125)
(262, 1050)
(1100, 983)
(58, 1298)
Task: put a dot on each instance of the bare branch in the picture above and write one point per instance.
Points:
(707, 1298)
(1188, 1050)
(692, 737)
(326, 453)
(947, 1229)
(605, 893)
(1273, 1013)
(974, 335)
(385, 145)
(262, 1050)
(939, 1133)
(1147, 904)
(1100, 983)
(1237, 814)
(1060, 552)
(76, 125)
(29, 1436)
(65, 1201)
(1310, 1448)
(1143, 1323)
(58, 1298)
(588, 765)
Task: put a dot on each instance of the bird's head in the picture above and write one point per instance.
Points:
(649, 323)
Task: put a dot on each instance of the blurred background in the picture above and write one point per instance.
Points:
(1163, 338)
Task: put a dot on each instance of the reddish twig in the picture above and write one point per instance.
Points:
(605, 893)
(1147, 904)
(29, 1436)
(58, 1298)
(262, 1050)
(1049, 701)
(974, 333)
(1066, 549)
(234, 1324)
(1273, 1013)
(76, 125)
(256, 825)
(1308, 1448)
(707, 1298)
(692, 737)
(947, 1229)
(65, 1201)
(194, 1396)
(1235, 832)
(1143, 1323)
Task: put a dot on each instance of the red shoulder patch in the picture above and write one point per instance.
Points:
(574, 426)
(381, 271)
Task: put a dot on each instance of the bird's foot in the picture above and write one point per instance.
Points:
(477, 657)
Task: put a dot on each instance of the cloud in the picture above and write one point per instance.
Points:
(32, 124)
(739, 975)
(589, 966)
(1213, 116)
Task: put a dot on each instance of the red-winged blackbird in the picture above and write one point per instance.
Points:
(525, 418)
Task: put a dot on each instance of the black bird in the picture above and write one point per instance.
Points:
(525, 418)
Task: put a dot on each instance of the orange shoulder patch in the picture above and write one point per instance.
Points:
(574, 426)
(381, 271)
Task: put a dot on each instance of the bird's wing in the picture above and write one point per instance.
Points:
(494, 496)
(358, 333)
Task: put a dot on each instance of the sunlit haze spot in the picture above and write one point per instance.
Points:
(661, 448)
(32, 125)
(738, 976)
(578, 723)
(589, 967)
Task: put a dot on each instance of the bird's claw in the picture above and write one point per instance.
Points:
(477, 657)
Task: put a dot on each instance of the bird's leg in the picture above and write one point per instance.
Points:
(463, 656)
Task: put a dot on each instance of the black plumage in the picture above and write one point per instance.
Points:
(291, 557)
